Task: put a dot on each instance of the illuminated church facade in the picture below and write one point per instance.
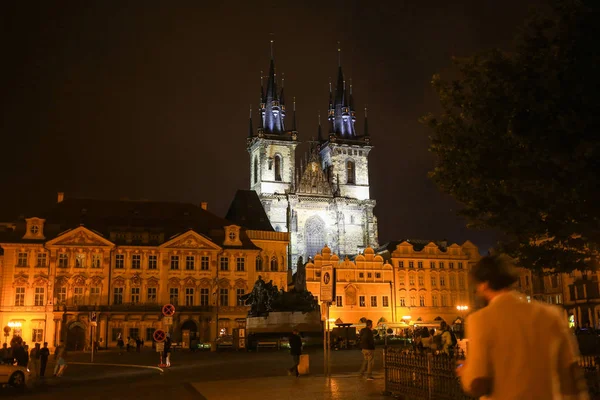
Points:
(323, 198)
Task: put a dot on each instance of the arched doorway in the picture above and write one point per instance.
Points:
(315, 236)
(76, 337)
(189, 334)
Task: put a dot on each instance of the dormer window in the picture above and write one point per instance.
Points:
(232, 235)
(34, 228)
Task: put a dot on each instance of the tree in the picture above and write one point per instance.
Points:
(518, 139)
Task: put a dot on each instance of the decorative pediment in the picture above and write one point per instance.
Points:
(224, 283)
(79, 280)
(313, 179)
(152, 282)
(241, 284)
(97, 280)
(40, 281)
(174, 282)
(80, 236)
(62, 280)
(119, 281)
(21, 280)
(191, 240)
(189, 282)
(205, 282)
(135, 280)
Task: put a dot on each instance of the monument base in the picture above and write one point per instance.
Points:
(285, 322)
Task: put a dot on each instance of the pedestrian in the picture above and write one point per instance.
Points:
(59, 356)
(367, 344)
(446, 339)
(138, 344)
(295, 351)
(128, 343)
(44, 354)
(536, 358)
(167, 351)
(120, 344)
(5, 354)
(34, 361)
(20, 354)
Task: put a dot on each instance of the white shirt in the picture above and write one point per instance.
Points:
(521, 346)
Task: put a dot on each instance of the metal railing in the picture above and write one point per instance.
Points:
(425, 376)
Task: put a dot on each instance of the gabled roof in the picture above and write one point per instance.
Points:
(247, 211)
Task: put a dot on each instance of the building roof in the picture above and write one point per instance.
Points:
(418, 245)
(246, 210)
(107, 216)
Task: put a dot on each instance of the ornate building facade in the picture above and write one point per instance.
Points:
(322, 199)
(123, 260)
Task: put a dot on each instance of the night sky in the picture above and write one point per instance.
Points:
(149, 100)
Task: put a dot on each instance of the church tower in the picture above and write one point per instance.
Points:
(272, 147)
(344, 153)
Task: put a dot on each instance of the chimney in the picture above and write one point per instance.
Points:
(204, 205)
(61, 197)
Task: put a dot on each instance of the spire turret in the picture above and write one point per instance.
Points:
(319, 133)
(341, 113)
(272, 109)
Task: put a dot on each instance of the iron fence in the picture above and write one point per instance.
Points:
(426, 376)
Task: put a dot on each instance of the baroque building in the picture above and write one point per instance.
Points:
(123, 260)
(322, 199)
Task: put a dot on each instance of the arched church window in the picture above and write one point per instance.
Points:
(259, 263)
(315, 236)
(278, 168)
(351, 172)
(274, 264)
(255, 169)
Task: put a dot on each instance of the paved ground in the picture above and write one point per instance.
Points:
(205, 375)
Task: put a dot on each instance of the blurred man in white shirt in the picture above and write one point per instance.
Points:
(517, 350)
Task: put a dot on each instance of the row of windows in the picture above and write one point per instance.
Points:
(38, 300)
(432, 264)
(152, 262)
(434, 280)
(436, 301)
(362, 301)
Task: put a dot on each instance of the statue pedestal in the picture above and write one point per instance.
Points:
(284, 322)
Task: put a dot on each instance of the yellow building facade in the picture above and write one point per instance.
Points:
(122, 260)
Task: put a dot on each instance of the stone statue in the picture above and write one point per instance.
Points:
(300, 280)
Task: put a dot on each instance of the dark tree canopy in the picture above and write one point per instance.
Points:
(518, 139)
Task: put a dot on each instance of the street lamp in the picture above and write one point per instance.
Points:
(462, 308)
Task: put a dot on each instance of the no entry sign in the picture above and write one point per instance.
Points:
(168, 310)
(160, 335)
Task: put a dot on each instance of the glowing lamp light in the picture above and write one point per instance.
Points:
(14, 324)
(462, 308)
(406, 317)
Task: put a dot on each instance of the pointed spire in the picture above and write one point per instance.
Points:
(250, 130)
(294, 116)
(273, 110)
(339, 55)
(319, 133)
(351, 99)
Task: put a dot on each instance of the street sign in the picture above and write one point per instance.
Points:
(168, 310)
(160, 347)
(160, 335)
(327, 283)
(167, 320)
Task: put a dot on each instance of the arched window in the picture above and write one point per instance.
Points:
(315, 236)
(351, 172)
(255, 169)
(259, 263)
(278, 168)
(274, 265)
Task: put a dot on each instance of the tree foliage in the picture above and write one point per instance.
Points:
(518, 139)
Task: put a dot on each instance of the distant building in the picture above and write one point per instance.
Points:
(123, 260)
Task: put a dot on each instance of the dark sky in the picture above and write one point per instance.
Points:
(149, 100)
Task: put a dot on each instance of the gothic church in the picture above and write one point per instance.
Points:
(325, 199)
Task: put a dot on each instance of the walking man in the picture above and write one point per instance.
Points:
(34, 361)
(295, 351)
(59, 356)
(367, 344)
(44, 354)
(167, 351)
(534, 359)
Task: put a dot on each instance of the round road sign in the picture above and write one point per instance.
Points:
(168, 310)
(160, 335)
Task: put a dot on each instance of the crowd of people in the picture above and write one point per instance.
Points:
(35, 360)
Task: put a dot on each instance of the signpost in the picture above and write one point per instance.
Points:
(168, 310)
(159, 337)
(93, 324)
(327, 297)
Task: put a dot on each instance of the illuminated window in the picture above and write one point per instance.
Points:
(174, 295)
(400, 264)
(373, 301)
(402, 302)
(118, 295)
(78, 295)
(20, 297)
(120, 261)
(351, 172)
(422, 301)
(401, 279)
(63, 260)
(174, 263)
(411, 280)
(413, 301)
(190, 263)
(204, 263)
(361, 301)
(433, 281)
(80, 261)
(136, 261)
(40, 297)
(240, 264)
(189, 297)
(96, 260)
(42, 259)
(151, 295)
(385, 301)
(135, 295)
(152, 261)
(37, 335)
(61, 295)
(442, 280)
(421, 281)
(22, 259)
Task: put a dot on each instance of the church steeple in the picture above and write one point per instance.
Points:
(341, 113)
(272, 108)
